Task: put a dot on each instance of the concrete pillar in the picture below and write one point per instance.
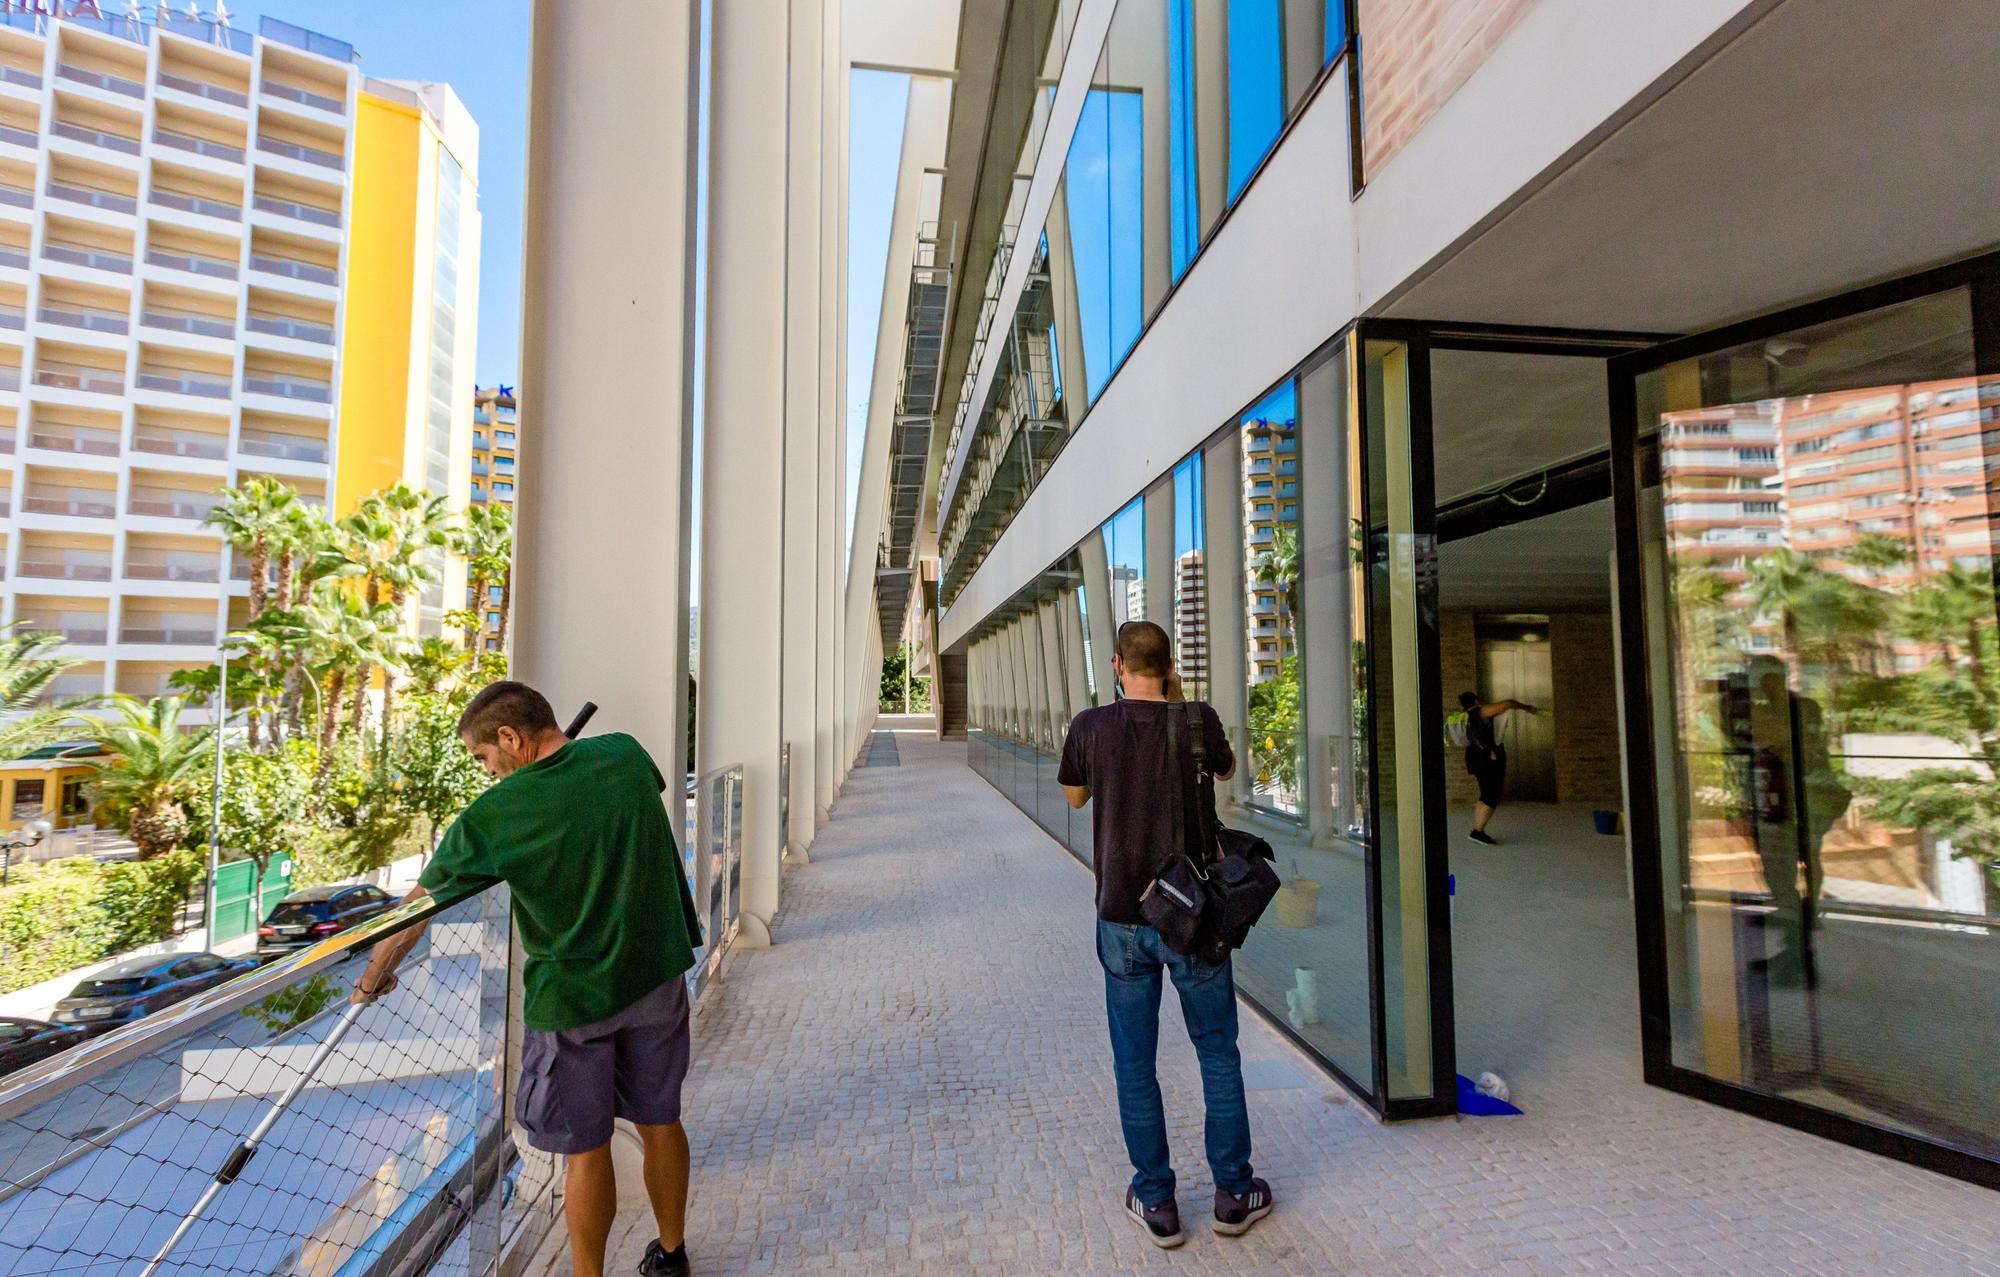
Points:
(602, 504)
(832, 406)
(743, 445)
(1159, 555)
(799, 513)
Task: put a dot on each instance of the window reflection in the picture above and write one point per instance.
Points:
(1190, 580)
(1271, 581)
(1125, 558)
(1824, 549)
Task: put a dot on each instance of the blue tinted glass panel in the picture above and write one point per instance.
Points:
(1336, 28)
(1106, 224)
(1185, 212)
(1256, 86)
(1125, 556)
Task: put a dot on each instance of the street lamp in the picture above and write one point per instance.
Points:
(215, 799)
(26, 836)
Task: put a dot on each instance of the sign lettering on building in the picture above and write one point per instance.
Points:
(53, 8)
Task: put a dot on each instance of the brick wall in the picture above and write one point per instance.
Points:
(1458, 662)
(1414, 55)
(1586, 711)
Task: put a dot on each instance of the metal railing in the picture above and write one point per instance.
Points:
(60, 436)
(294, 209)
(714, 861)
(172, 442)
(90, 317)
(111, 200)
(19, 136)
(101, 80)
(165, 504)
(72, 566)
(143, 564)
(292, 269)
(284, 447)
(97, 137)
(283, 387)
(296, 329)
(98, 505)
(304, 97)
(26, 79)
(304, 154)
(193, 263)
(197, 204)
(198, 145)
(184, 381)
(188, 321)
(202, 89)
(395, 1154)
(94, 258)
(61, 376)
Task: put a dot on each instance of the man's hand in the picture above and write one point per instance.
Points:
(372, 985)
(380, 976)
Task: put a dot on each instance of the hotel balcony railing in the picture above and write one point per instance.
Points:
(169, 442)
(101, 80)
(184, 381)
(67, 567)
(305, 154)
(95, 258)
(26, 79)
(296, 329)
(20, 137)
(202, 89)
(299, 388)
(12, 256)
(167, 632)
(10, 379)
(198, 145)
(398, 1154)
(193, 263)
(172, 565)
(97, 137)
(198, 204)
(188, 321)
(110, 200)
(13, 316)
(294, 269)
(284, 447)
(18, 196)
(482, 417)
(97, 321)
(304, 97)
(165, 503)
(292, 208)
(80, 637)
(79, 504)
(103, 381)
(478, 466)
(53, 436)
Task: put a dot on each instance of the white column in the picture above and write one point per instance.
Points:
(743, 441)
(832, 405)
(601, 510)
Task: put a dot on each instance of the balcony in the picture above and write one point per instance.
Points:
(186, 566)
(290, 268)
(64, 376)
(13, 316)
(100, 80)
(304, 97)
(282, 447)
(185, 381)
(20, 137)
(304, 389)
(61, 436)
(202, 89)
(293, 329)
(169, 441)
(168, 319)
(16, 196)
(199, 205)
(97, 137)
(15, 256)
(76, 503)
(90, 318)
(17, 76)
(198, 145)
(293, 209)
(192, 263)
(171, 503)
(65, 565)
(109, 201)
(94, 258)
(167, 629)
(10, 379)
(304, 154)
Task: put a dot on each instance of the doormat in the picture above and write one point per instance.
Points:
(1472, 1102)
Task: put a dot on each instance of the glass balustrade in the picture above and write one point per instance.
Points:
(61, 376)
(304, 97)
(304, 154)
(171, 442)
(13, 256)
(101, 80)
(95, 137)
(66, 565)
(81, 503)
(56, 436)
(291, 208)
(198, 145)
(183, 381)
(19, 136)
(292, 269)
(166, 628)
(18, 196)
(188, 321)
(192, 263)
(201, 89)
(110, 200)
(284, 447)
(101, 321)
(94, 258)
(296, 329)
(169, 503)
(13, 317)
(15, 75)
(288, 388)
(10, 379)
(198, 204)
(142, 564)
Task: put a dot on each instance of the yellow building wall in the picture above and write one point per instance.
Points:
(381, 279)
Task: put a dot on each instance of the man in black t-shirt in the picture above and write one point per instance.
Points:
(1118, 755)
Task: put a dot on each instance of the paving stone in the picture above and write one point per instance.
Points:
(915, 1079)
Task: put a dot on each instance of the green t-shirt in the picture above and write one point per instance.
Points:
(601, 905)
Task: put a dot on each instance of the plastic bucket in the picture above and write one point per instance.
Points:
(1606, 821)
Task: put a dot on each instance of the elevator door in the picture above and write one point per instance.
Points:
(1510, 670)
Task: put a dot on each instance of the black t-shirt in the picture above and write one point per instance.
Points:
(1481, 741)
(1120, 751)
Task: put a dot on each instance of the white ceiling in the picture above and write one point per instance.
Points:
(1834, 143)
(1560, 563)
(1497, 416)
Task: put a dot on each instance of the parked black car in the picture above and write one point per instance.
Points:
(137, 987)
(310, 916)
(24, 1042)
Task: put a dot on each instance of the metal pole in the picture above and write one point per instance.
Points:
(215, 802)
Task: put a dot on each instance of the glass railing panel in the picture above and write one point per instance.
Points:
(95, 137)
(193, 263)
(296, 329)
(304, 97)
(15, 75)
(55, 437)
(196, 204)
(188, 321)
(101, 80)
(180, 443)
(198, 145)
(103, 381)
(157, 628)
(184, 382)
(18, 196)
(20, 137)
(76, 504)
(15, 257)
(284, 447)
(172, 565)
(101, 321)
(294, 269)
(289, 388)
(395, 1148)
(110, 200)
(166, 504)
(95, 258)
(13, 317)
(75, 565)
(303, 212)
(201, 89)
(304, 154)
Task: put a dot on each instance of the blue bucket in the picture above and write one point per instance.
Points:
(1606, 821)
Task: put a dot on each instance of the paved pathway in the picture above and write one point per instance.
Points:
(915, 1080)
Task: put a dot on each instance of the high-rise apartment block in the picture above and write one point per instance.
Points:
(496, 439)
(1270, 503)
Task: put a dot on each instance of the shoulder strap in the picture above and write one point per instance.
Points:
(1196, 776)
(1176, 728)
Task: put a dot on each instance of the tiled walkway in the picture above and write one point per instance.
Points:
(915, 1080)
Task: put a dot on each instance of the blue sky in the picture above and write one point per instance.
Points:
(479, 47)
(877, 103)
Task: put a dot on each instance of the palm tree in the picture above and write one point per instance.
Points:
(420, 532)
(28, 672)
(486, 541)
(1781, 583)
(435, 664)
(1950, 610)
(317, 555)
(1875, 554)
(1279, 566)
(251, 516)
(153, 766)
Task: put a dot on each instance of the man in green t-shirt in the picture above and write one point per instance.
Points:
(577, 831)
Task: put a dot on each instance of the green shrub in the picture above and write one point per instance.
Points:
(73, 912)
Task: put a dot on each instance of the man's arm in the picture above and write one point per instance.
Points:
(1497, 708)
(1076, 795)
(380, 977)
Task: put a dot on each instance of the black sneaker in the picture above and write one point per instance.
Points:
(1480, 835)
(659, 1262)
(1162, 1223)
(1234, 1215)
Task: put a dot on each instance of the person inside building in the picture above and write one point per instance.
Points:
(1486, 757)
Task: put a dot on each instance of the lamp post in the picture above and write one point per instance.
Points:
(26, 836)
(215, 798)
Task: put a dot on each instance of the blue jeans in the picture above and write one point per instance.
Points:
(1133, 957)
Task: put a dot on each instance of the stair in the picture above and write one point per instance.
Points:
(949, 697)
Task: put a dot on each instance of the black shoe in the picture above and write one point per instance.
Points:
(1234, 1215)
(661, 1263)
(1162, 1223)
(1480, 835)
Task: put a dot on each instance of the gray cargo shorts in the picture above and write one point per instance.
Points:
(574, 1082)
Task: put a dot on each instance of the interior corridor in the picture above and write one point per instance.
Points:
(915, 1080)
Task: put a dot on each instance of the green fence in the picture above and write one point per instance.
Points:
(236, 912)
